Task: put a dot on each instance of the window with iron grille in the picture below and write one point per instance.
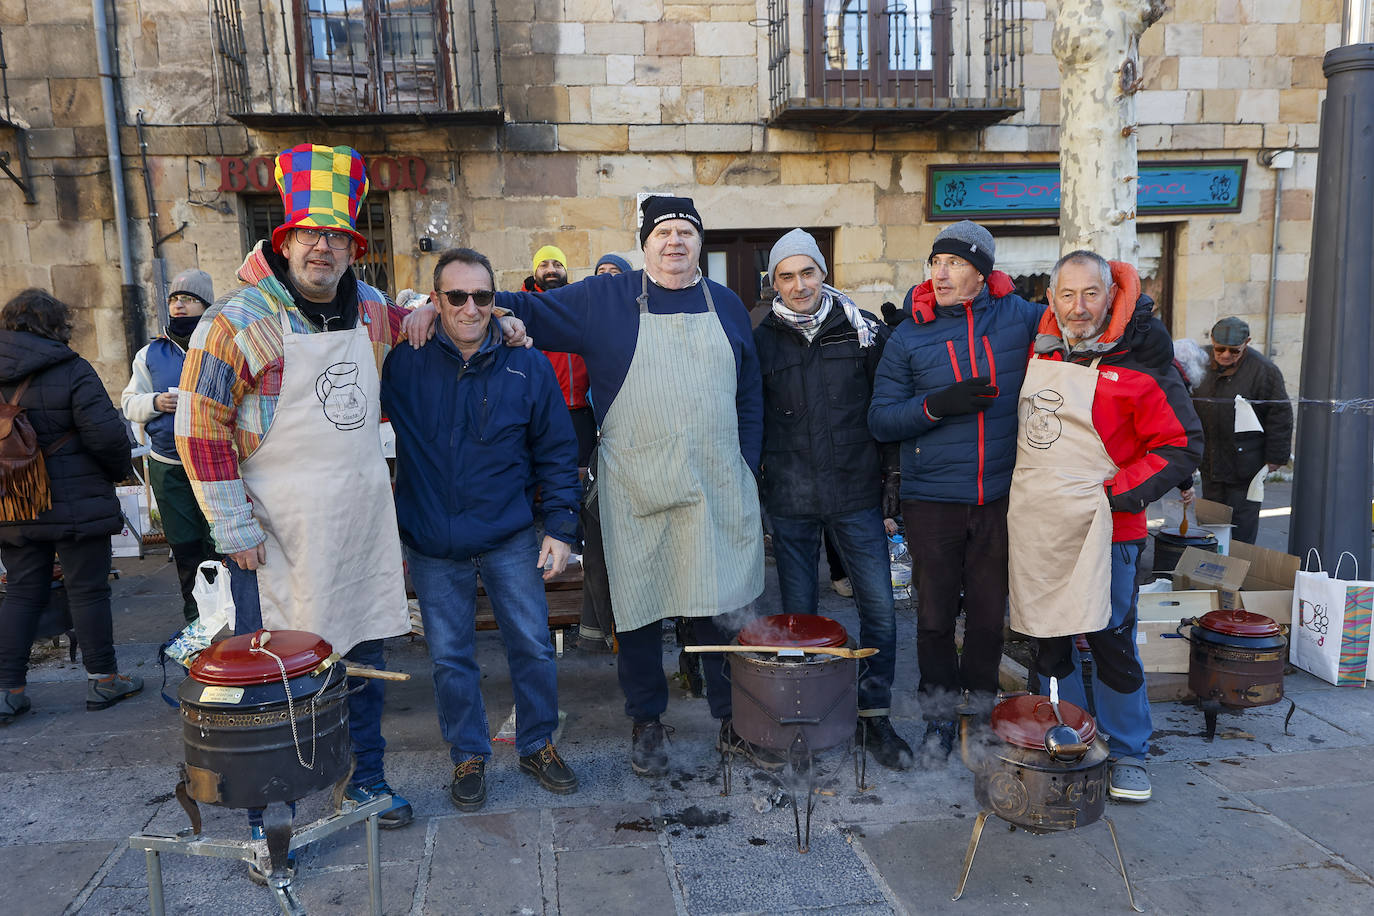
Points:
(872, 47)
(262, 213)
(374, 55)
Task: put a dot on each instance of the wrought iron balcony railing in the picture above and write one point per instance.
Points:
(957, 63)
(298, 61)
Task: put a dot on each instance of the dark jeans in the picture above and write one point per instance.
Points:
(639, 666)
(364, 706)
(862, 545)
(187, 532)
(1244, 512)
(957, 547)
(86, 573)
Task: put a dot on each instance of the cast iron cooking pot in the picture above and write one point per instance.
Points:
(781, 701)
(1015, 777)
(1236, 658)
(264, 718)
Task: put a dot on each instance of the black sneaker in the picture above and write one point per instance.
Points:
(648, 756)
(468, 791)
(549, 768)
(882, 741)
(732, 744)
(938, 743)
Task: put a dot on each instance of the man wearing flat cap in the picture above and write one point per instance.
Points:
(676, 389)
(1242, 440)
(823, 473)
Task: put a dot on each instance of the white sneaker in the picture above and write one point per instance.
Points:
(842, 587)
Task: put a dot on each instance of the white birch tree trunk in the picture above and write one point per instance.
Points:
(1097, 45)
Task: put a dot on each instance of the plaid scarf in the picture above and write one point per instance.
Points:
(862, 324)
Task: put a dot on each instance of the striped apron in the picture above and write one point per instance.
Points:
(679, 506)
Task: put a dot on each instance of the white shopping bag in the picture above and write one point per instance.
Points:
(213, 598)
(1330, 626)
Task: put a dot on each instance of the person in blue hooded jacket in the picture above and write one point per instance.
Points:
(482, 428)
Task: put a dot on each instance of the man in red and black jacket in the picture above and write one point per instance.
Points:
(550, 271)
(1102, 434)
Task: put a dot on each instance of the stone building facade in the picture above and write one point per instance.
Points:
(509, 125)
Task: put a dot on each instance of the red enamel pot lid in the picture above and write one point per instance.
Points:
(234, 662)
(787, 631)
(1239, 623)
(1023, 721)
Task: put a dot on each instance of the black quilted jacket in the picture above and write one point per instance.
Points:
(66, 394)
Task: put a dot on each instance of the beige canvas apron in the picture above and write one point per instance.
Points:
(679, 506)
(321, 492)
(1059, 524)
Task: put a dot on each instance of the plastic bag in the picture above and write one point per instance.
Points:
(213, 598)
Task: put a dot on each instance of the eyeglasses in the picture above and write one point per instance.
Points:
(339, 241)
(458, 297)
(1219, 349)
(183, 299)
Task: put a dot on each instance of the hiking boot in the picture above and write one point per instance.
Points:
(1128, 781)
(255, 872)
(937, 743)
(105, 690)
(468, 791)
(549, 768)
(730, 743)
(13, 703)
(648, 756)
(398, 815)
(881, 740)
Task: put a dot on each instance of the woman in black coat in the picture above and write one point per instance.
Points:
(72, 417)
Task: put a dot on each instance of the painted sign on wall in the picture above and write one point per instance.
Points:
(1031, 190)
(384, 173)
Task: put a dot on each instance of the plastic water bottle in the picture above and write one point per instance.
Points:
(901, 567)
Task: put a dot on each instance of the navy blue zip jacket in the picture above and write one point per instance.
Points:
(474, 440)
(967, 458)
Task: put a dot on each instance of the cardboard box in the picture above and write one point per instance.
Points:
(1216, 518)
(1158, 615)
(1254, 578)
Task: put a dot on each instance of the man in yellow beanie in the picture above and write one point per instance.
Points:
(549, 270)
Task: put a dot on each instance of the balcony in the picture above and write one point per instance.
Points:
(290, 63)
(23, 177)
(895, 63)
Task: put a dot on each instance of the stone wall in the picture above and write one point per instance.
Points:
(606, 98)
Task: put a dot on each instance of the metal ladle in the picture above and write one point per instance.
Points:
(1062, 741)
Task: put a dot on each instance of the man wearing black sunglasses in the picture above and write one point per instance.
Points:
(1242, 443)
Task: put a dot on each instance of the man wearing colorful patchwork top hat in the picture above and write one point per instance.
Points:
(278, 433)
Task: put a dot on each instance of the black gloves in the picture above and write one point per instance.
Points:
(1147, 337)
(892, 499)
(972, 395)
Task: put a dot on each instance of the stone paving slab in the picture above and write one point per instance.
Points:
(613, 881)
(487, 863)
(1194, 826)
(1306, 889)
(49, 874)
(630, 824)
(1339, 820)
(1336, 767)
(1351, 709)
(1014, 871)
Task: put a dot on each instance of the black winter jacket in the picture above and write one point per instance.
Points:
(66, 394)
(1235, 458)
(818, 456)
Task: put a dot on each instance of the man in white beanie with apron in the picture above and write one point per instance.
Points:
(676, 389)
(1101, 435)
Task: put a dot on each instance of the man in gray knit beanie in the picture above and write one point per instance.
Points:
(822, 472)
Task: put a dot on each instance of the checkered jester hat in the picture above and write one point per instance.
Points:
(321, 187)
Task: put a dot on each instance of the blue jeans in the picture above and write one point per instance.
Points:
(447, 590)
(1125, 717)
(862, 545)
(364, 706)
